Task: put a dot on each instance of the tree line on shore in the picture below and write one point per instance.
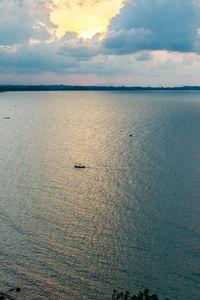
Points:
(142, 295)
(61, 87)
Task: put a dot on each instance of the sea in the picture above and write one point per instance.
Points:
(129, 220)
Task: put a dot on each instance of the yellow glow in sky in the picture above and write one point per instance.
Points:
(85, 17)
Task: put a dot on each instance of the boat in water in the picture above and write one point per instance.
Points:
(79, 166)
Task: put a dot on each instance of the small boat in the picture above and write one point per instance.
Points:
(79, 166)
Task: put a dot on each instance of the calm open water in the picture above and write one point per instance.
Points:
(130, 220)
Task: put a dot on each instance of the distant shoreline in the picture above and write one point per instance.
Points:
(21, 88)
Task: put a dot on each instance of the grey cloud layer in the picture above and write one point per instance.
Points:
(155, 25)
(62, 55)
(140, 27)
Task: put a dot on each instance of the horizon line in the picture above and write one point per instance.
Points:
(62, 87)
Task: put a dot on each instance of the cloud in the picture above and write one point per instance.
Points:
(144, 56)
(62, 55)
(71, 45)
(164, 69)
(136, 45)
(22, 20)
(170, 25)
(80, 3)
(28, 43)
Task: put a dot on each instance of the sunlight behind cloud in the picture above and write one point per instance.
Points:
(86, 18)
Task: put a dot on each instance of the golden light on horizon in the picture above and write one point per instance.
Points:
(86, 18)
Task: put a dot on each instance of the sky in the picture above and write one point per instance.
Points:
(100, 42)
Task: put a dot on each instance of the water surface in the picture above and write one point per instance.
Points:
(129, 220)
